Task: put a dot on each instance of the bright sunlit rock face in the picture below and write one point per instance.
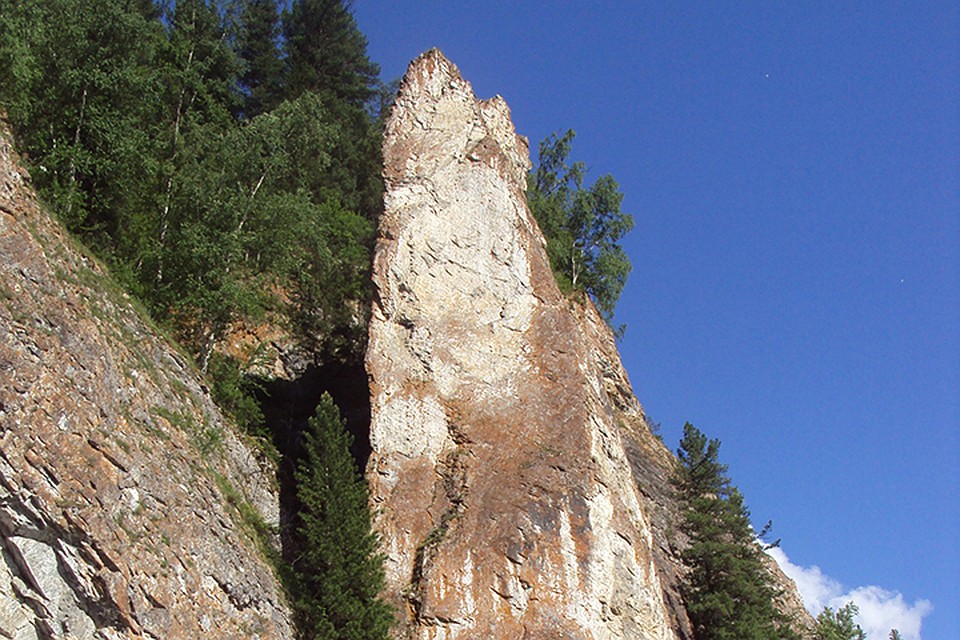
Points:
(499, 479)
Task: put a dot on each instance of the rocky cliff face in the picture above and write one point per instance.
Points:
(518, 489)
(125, 498)
(504, 494)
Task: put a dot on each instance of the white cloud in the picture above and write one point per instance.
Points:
(880, 610)
(815, 588)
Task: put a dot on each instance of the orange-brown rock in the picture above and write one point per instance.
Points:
(503, 492)
(119, 479)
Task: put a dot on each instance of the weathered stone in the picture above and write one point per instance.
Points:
(111, 520)
(503, 492)
(519, 490)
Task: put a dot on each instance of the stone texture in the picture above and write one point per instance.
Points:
(652, 465)
(790, 602)
(116, 515)
(503, 492)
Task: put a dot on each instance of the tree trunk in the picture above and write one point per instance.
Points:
(168, 191)
(73, 162)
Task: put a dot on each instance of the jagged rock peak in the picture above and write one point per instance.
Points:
(499, 478)
(437, 116)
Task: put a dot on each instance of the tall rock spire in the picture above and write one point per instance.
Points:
(501, 487)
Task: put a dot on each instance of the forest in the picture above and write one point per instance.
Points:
(222, 159)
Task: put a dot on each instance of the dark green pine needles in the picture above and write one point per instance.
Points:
(841, 625)
(728, 592)
(339, 574)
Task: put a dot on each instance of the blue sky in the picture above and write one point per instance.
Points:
(794, 171)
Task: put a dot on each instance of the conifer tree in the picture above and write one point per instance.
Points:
(728, 592)
(258, 48)
(839, 624)
(327, 53)
(339, 572)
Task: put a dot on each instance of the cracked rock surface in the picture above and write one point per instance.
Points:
(499, 475)
(113, 460)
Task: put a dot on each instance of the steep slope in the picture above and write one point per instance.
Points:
(126, 500)
(499, 474)
(652, 465)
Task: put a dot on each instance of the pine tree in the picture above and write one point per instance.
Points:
(339, 572)
(327, 52)
(839, 624)
(258, 48)
(728, 592)
(326, 55)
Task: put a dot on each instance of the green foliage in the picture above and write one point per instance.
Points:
(339, 573)
(224, 183)
(251, 521)
(728, 592)
(326, 52)
(235, 393)
(79, 78)
(254, 214)
(262, 79)
(21, 28)
(130, 123)
(583, 226)
(200, 72)
(840, 624)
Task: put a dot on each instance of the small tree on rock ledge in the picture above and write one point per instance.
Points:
(583, 226)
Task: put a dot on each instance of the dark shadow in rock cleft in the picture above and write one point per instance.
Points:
(288, 405)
